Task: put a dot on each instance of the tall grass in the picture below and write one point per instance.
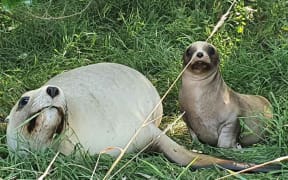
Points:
(149, 36)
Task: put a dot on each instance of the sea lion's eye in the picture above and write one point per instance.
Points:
(211, 50)
(23, 101)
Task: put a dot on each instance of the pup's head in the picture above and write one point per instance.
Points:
(35, 119)
(203, 56)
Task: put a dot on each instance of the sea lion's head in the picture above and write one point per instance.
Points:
(203, 56)
(34, 120)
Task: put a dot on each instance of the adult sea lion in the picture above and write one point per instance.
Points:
(98, 106)
(212, 109)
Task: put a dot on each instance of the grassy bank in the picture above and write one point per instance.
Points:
(150, 36)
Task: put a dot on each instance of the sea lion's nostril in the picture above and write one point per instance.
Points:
(200, 54)
(52, 91)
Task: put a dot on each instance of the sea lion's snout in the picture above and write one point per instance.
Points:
(36, 117)
(200, 61)
(202, 57)
(51, 117)
(52, 91)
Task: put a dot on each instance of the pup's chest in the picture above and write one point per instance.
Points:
(211, 110)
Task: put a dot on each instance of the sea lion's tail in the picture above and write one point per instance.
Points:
(178, 154)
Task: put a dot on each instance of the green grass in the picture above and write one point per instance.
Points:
(149, 36)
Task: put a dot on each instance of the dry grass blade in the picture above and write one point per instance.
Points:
(218, 25)
(62, 17)
(96, 165)
(222, 20)
(255, 167)
(144, 122)
(169, 127)
(102, 152)
(186, 168)
(49, 167)
(28, 120)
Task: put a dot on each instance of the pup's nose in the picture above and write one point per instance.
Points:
(200, 54)
(52, 91)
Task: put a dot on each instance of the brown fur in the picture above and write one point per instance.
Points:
(212, 109)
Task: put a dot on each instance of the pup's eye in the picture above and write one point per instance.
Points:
(211, 50)
(189, 52)
(23, 101)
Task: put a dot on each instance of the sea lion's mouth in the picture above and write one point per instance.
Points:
(33, 121)
(201, 65)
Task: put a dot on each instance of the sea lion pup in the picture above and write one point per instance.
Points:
(97, 106)
(212, 108)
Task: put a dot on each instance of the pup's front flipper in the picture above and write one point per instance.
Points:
(228, 134)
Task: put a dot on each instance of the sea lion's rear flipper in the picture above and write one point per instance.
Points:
(178, 154)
